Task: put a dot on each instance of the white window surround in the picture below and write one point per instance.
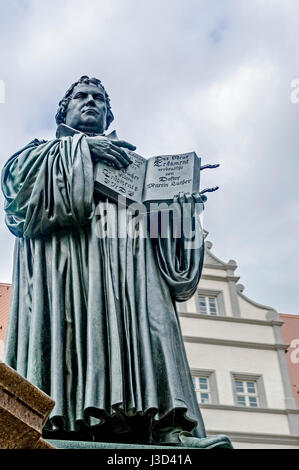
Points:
(217, 294)
(247, 394)
(210, 375)
(259, 386)
(202, 389)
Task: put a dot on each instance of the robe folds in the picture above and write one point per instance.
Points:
(93, 319)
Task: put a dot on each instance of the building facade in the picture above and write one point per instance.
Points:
(238, 361)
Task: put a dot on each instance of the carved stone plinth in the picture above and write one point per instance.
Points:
(24, 409)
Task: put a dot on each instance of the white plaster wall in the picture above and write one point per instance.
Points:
(251, 311)
(214, 272)
(227, 359)
(244, 421)
(227, 330)
(247, 309)
(190, 305)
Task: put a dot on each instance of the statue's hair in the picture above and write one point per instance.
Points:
(63, 104)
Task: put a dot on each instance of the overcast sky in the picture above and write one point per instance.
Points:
(212, 76)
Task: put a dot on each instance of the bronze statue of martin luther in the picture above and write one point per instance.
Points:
(93, 321)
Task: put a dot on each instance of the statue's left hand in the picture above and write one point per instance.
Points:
(194, 198)
(188, 200)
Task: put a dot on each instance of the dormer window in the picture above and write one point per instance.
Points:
(210, 302)
(208, 305)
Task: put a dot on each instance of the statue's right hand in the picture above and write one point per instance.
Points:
(104, 149)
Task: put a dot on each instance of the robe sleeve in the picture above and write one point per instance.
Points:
(48, 186)
(179, 254)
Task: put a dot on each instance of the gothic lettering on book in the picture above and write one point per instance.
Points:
(153, 179)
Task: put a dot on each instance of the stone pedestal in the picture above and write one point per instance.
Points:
(64, 444)
(23, 411)
(212, 442)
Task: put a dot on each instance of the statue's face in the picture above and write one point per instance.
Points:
(87, 110)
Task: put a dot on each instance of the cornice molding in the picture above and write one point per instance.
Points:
(211, 277)
(235, 344)
(216, 266)
(254, 438)
(249, 321)
(277, 411)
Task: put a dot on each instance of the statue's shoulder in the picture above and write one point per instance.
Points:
(37, 142)
(31, 145)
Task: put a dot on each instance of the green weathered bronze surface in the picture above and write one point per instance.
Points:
(93, 322)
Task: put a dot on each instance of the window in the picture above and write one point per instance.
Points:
(249, 390)
(246, 392)
(210, 302)
(207, 305)
(205, 386)
(202, 389)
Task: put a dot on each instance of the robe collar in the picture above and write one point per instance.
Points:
(65, 131)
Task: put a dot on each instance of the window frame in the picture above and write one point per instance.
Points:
(260, 388)
(219, 297)
(212, 381)
(201, 391)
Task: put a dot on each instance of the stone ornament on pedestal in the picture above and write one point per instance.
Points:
(24, 409)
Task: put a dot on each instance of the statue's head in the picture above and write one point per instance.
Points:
(86, 106)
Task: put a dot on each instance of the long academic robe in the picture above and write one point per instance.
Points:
(93, 320)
